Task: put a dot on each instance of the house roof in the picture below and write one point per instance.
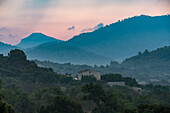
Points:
(87, 70)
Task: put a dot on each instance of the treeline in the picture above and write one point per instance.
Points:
(149, 66)
(93, 97)
(28, 88)
(15, 68)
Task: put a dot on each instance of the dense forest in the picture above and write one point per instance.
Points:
(126, 37)
(149, 66)
(29, 88)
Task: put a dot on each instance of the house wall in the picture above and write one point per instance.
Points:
(136, 89)
(116, 83)
(89, 73)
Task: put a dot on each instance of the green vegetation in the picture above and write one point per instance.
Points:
(151, 67)
(61, 105)
(4, 107)
(27, 88)
(125, 38)
(145, 108)
(88, 79)
(154, 64)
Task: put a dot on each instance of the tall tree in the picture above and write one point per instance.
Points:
(61, 104)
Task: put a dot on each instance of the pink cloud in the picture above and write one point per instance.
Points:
(22, 17)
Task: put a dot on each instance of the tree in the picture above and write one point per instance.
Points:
(139, 53)
(130, 81)
(88, 79)
(112, 77)
(4, 107)
(46, 95)
(146, 108)
(113, 103)
(146, 52)
(61, 104)
(17, 55)
(94, 92)
(65, 79)
(18, 99)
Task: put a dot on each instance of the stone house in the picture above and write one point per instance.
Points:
(137, 89)
(89, 72)
(116, 83)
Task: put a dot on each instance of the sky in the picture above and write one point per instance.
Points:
(64, 19)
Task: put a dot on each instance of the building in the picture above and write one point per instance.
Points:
(71, 75)
(137, 89)
(89, 72)
(116, 83)
(155, 80)
(142, 83)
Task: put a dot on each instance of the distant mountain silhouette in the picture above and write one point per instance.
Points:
(146, 66)
(36, 39)
(5, 48)
(154, 64)
(58, 52)
(125, 38)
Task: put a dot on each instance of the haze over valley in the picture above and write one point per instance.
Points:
(84, 56)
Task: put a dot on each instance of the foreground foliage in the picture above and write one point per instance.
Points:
(28, 88)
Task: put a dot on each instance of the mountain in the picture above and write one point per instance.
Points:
(59, 52)
(125, 38)
(5, 48)
(154, 64)
(36, 39)
(149, 66)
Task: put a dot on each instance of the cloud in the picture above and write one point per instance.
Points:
(54, 17)
(3, 29)
(12, 36)
(39, 4)
(71, 28)
(1, 2)
(94, 28)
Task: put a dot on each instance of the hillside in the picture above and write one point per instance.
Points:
(125, 38)
(155, 64)
(36, 39)
(15, 68)
(57, 52)
(27, 88)
(151, 67)
(5, 48)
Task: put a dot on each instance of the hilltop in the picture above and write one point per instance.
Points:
(125, 38)
(5, 48)
(59, 52)
(36, 39)
(154, 64)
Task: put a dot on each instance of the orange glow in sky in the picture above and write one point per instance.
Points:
(19, 18)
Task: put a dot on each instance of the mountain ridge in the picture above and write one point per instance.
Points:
(5, 48)
(36, 39)
(59, 52)
(125, 38)
(155, 64)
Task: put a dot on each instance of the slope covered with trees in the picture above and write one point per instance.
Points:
(154, 64)
(125, 38)
(58, 52)
(149, 66)
(28, 88)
